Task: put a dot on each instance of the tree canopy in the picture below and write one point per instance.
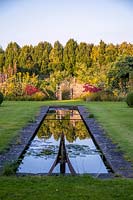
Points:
(102, 65)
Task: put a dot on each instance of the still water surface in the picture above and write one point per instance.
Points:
(81, 150)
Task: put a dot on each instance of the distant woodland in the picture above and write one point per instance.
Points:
(44, 66)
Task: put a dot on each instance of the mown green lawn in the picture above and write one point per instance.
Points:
(117, 120)
(115, 117)
(64, 188)
(13, 116)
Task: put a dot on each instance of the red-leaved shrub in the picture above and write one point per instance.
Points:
(30, 90)
(91, 88)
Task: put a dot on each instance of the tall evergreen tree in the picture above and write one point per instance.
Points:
(120, 72)
(83, 61)
(125, 49)
(56, 57)
(2, 59)
(45, 59)
(111, 53)
(25, 57)
(11, 54)
(69, 56)
(101, 53)
(41, 56)
(83, 53)
(38, 53)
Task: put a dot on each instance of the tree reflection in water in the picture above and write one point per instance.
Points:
(63, 121)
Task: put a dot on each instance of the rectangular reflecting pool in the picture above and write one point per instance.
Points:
(62, 137)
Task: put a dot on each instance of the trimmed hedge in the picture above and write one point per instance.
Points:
(1, 98)
(129, 99)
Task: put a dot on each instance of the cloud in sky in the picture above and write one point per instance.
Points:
(32, 21)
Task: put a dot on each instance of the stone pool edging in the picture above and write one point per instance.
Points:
(114, 157)
(22, 141)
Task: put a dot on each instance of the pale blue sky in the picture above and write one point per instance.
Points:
(32, 21)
